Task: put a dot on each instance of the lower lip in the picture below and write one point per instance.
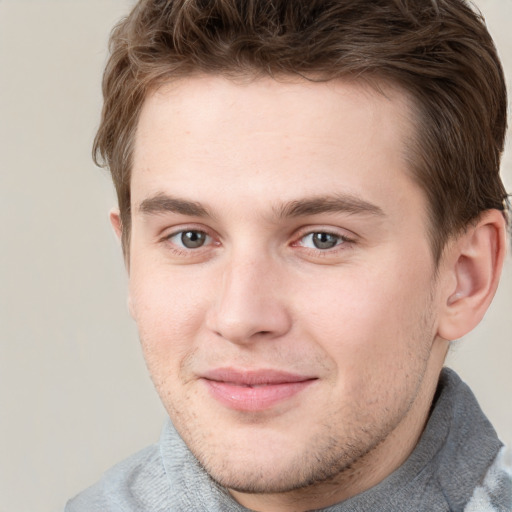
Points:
(255, 398)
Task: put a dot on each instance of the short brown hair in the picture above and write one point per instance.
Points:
(439, 51)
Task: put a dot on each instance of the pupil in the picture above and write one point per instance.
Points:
(324, 240)
(192, 239)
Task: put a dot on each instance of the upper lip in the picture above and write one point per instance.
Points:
(251, 377)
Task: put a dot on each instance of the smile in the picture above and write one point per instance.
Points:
(253, 391)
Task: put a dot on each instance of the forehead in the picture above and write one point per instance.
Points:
(272, 139)
(289, 106)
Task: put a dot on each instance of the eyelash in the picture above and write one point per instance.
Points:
(181, 250)
(343, 242)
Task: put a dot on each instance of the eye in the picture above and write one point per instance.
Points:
(322, 240)
(189, 239)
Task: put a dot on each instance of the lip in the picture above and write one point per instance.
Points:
(254, 390)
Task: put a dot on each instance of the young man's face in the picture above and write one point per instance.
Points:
(282, 280)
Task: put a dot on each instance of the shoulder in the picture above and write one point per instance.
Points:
(136, 484)
(495, 492)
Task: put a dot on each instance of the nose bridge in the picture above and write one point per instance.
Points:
(249, 303)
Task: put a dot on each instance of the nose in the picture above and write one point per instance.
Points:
(250, 304)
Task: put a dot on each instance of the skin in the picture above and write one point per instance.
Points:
(365, 320)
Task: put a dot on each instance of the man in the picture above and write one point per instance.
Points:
(310, 210)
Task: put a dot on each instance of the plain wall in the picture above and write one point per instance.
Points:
(74, 393)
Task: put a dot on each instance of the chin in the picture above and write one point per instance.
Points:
(270, 464)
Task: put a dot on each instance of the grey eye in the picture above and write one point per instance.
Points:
(321, 240)
(324, 240)
(193, 239)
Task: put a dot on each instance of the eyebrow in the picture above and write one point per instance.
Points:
(340, 203)
(163, 203)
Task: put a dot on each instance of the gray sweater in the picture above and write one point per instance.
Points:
(457, 466)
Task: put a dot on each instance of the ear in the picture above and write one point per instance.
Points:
(117, 225)
(473, 263)
(115, 221)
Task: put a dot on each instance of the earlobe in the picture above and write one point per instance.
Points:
(115, 221)
(475, 260)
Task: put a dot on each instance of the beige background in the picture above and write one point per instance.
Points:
(74, 394)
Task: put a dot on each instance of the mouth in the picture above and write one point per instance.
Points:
(254, 390)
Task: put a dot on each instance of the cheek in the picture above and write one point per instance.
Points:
(371, 323)
(377, 338)
(168, 310)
